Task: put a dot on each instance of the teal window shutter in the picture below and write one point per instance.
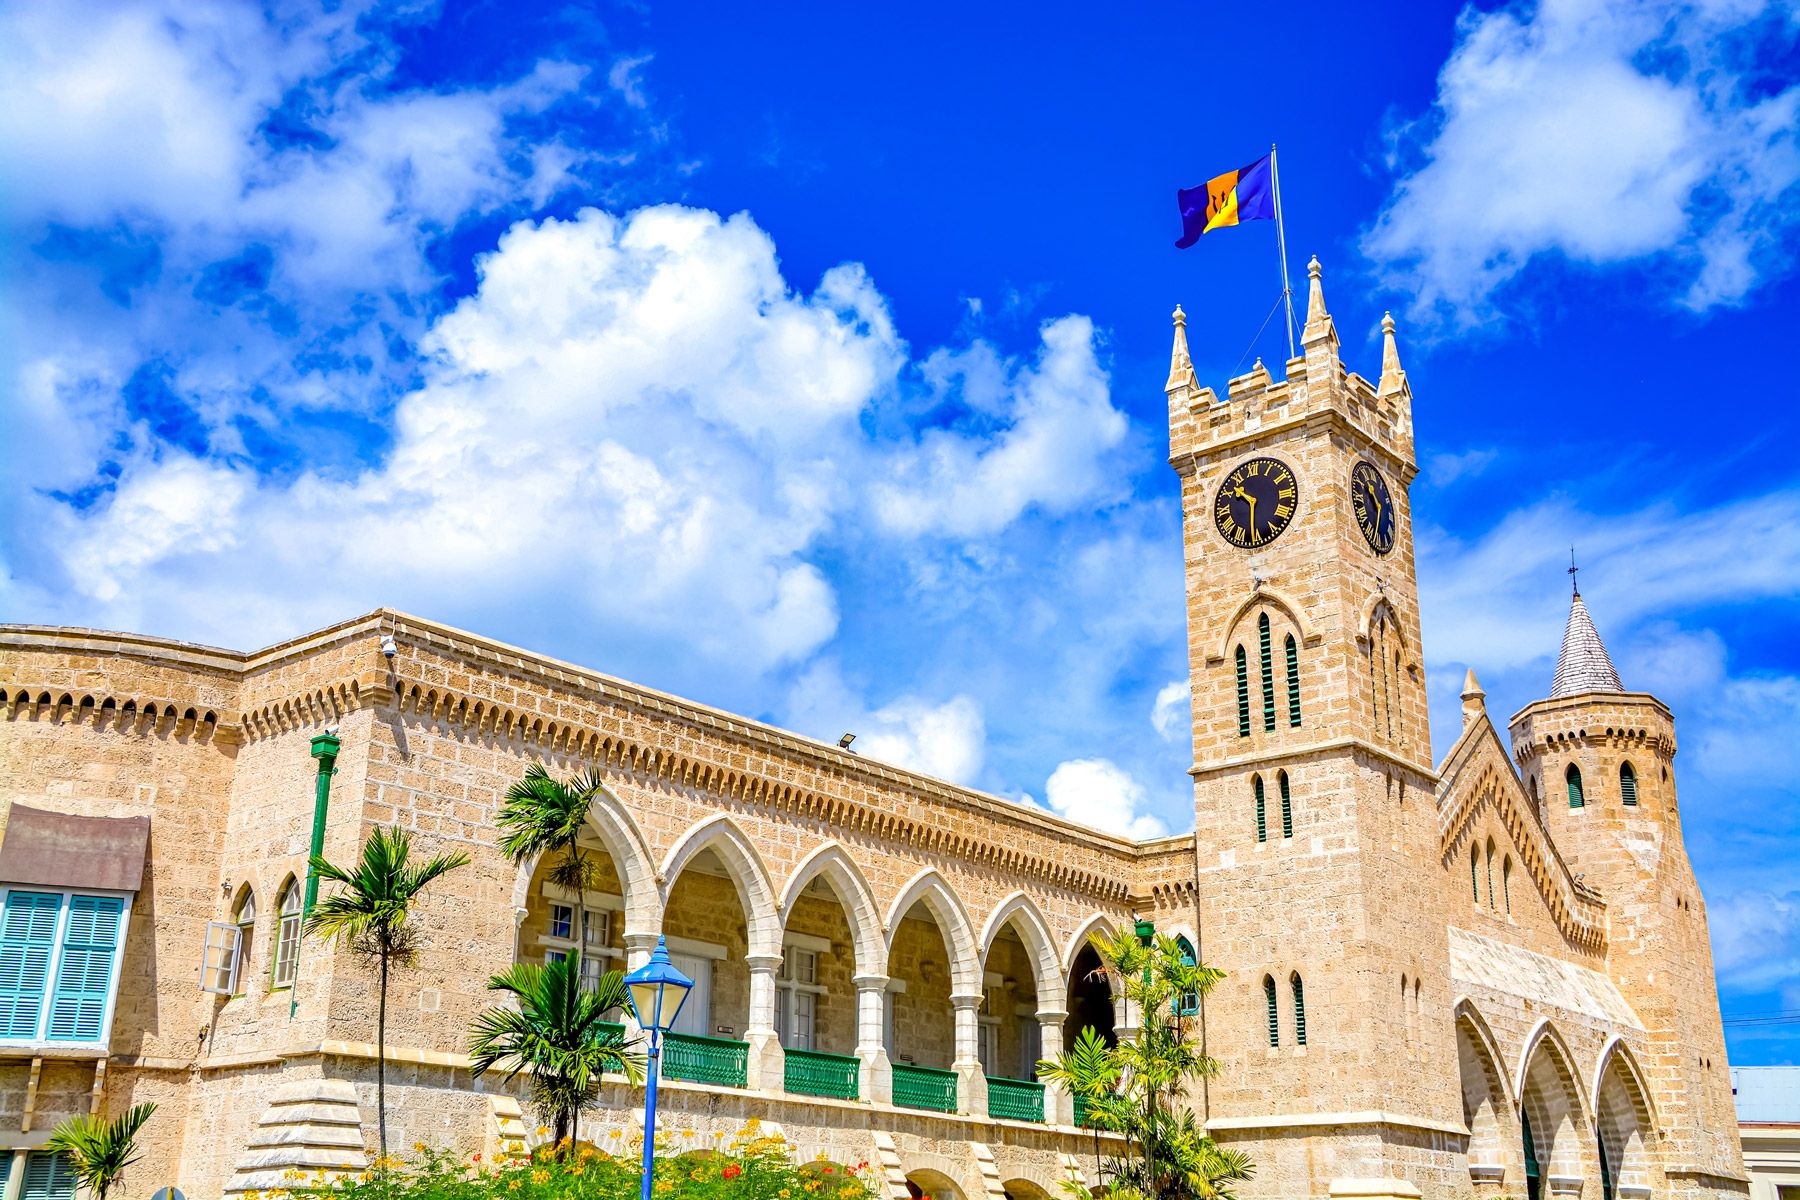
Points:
(1293, 680)
(1576, 799)
(1287, 807)
(27, 941)
(1187, 1003)
(1262, 826)
(1299, 1010)
(1475, 873)
(1274, 1014)
(1268, 674)
(1243, 684)
(47, 1177)
(84, 975)
(1628, 784)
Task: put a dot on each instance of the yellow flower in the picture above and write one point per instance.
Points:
(616, 1133)
(785, 1193)
(512, 1185)
(687, 1133)
(543, 1131)
(665, 1186)
(576, 1171)
(540, 1176)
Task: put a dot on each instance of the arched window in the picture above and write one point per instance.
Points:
(1262, 826)
(287, 934)
(1475, 874)
(244, 917)
(1188, 1002)
(1628, 784)
(1534, 795)
(1243, 684)
(1287, 806)
(1506, 881)
(1273, 1015)
(1299, 1008)
(1268, 673)
(1573, 775)
(1490, 872)
(1293, 680)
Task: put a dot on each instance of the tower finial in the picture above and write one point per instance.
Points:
(1319, 325)
(1393, 378)
(1574, 585)
(1181, 367)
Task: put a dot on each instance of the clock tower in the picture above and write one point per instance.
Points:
(1315, 825)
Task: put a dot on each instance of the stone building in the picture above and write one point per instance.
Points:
(1484, 977)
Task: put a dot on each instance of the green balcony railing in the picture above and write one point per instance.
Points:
(1082, 1105)
(705, 1059)
(811, 1073)
(924, 1087)
(612, 1033)
(1015, 1099)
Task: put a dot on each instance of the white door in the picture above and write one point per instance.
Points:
(696, 1013)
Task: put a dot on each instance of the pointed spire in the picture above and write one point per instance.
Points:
(1474, 700)
(1392, 376)
(1584, 665)
(1181, 367)
(1319, 325)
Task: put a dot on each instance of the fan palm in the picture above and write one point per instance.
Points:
(370, 915)
(557, 1034)
(543, 814)
(1088, 1072)
(98, 1148)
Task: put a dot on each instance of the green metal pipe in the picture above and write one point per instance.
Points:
(325, 749)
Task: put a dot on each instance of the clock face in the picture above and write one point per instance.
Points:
(1373, 505)
(1256, 502)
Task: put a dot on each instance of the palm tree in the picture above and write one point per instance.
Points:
(99, 1149)
(1088, 1072)
(543, 814)
(369, 914)
(556, 1034)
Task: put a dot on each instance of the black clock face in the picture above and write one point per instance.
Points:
(1256, 502)
(1373, 505)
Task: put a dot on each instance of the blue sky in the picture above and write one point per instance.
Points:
(807, 360)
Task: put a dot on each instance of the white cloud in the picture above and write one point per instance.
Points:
(1443, 469)
(1170, 711)
(947, 740)
(1755, 735)
(1099, 793)
(1603, 132)
(1755, 939)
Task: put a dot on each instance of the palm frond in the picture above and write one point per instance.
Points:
(100, 1148)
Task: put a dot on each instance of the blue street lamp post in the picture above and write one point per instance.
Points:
(657, 991)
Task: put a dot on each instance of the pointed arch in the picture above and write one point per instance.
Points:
(854, 895)
(611, 822)
(1096, 923)
(953, 923)
(1617, 1050)
(1488, 1107)
(744, 864)
(1281, 602)
(1625, 1122)
(1019, 911)
(1552, 1105)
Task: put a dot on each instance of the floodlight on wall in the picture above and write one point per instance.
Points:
(844, 742)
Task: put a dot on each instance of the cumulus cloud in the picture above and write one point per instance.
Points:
(1170, 713)
(1099, 793)
(947, 740)
(1603, 133)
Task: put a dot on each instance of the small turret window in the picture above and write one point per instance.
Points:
(1268, 673)
(1576, 798)
(1628, 784)
(1287, 806)
(1490, 872)
(1274, 1015)
(1243, 692)
(1187, 1004)
(1299, 1009)
(1293, 680)
(1262, 826)
(1506, 881)
(1475, 873)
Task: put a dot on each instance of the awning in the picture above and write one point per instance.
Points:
(52, 849)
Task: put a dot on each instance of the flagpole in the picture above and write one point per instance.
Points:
(1287, 291)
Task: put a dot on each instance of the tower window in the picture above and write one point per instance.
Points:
(1187, 1003)
(287, 935)
(1243, 684)
(1490, 872)
(1299, 1008)
(1628, 784)
(1573, 775)
(1274, 1015)
(1506, 881)
(1293, 680)
(1287, 807)
(1262, 827)
(1475, 873)
(1268, 673)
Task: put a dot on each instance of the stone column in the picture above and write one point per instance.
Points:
(1059, 1105)
(767, 1066)
(971, 1080)
(15, 1179)
(1125, 1029)
(875, 1078)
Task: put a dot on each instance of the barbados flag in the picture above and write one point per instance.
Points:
(1229, 199)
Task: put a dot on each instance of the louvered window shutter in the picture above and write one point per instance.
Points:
(1576, 799)
(1262, 826)
(27, 941)
(47, 1177)
(1274, 1013)
(1628, 784)
(1299, 1011)
(84, 975)
(1287, 807)
(1243, 695)
(1293, 681)
(1268, 673)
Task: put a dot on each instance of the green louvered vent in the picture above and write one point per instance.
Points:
(1274, 1015)
(1628, 784)
(1576, 798)
(48, 1177)
(84, 974)
(1268, 673)
(1299, 1011)
(1262, 826)
(1287, 807)
(27, 938)
(1475, 874)
(1293, 668)
(1243, 680)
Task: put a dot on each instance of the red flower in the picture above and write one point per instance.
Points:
(828, 1171)
(731, 1172)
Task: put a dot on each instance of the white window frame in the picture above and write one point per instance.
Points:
(797, 997)
(598, 914)
(53, 970)
(284, 969)
(220, 968)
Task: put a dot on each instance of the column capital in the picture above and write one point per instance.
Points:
(1046, 1015)
(866, 983)
(969, 1000)
(763, 962)
(640, 939)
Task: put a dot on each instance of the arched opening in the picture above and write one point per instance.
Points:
(1626, 1128)
(1552, 1123)
(1486, 1109)
(1261, 805)
(1297, 990)
(1490, 873)
(1506, 881)
(243, 915)
(1090, 999)
(1025, 1189)
(1628, 790)
(934, 996)
(1022, 1008)
(831, 935)
(932, 1185)
(1577, 798)
(1287, 805)
(1271, 1010)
